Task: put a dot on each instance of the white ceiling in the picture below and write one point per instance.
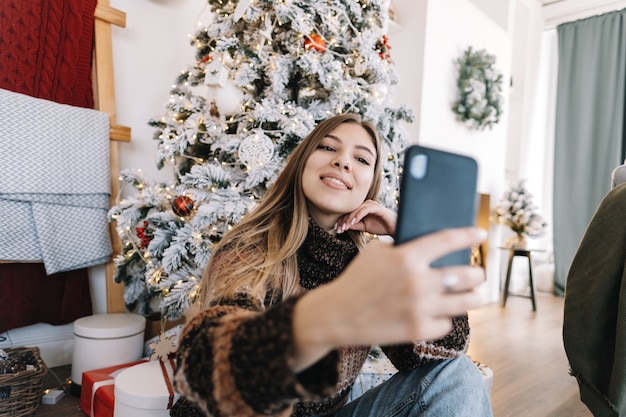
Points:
(560, 11)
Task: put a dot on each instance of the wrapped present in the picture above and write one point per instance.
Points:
(103, 401)
(96, 395)
(146, 390)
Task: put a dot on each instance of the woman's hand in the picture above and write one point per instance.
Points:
(388, 295)
(371, 217)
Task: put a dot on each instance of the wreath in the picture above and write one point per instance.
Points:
(479, 85)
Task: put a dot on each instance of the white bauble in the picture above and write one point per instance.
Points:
(227, 98)
(256, 150)
(378, 92)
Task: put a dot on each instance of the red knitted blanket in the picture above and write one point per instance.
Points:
(45, 49)
(45, 52)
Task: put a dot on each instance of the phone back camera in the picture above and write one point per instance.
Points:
(419, 166)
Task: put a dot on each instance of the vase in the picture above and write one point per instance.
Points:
(516, 242)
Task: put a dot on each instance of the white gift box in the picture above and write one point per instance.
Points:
(104, 340)
(145, 390)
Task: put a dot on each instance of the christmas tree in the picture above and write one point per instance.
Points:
(267, 71)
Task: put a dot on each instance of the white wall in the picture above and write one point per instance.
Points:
(445, 43)
(149, 53)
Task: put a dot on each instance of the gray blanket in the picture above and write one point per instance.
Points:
(54, 183)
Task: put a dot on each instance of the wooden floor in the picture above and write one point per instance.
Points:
(524, 349)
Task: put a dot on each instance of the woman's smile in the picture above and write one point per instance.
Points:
(336, 183)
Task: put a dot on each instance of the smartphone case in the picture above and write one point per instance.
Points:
(437, 191)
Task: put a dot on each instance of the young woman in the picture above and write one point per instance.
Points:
(294, 296)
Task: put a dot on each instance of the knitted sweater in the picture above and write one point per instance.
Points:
(234, 359)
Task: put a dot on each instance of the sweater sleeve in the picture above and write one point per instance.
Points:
(234, 361)
(410, 356)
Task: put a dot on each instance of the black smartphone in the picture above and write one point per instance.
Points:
(437, 191)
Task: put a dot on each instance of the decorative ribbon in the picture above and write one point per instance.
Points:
(102, 383)
(166, 377)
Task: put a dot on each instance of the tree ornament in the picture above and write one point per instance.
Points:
(213, 110)
(182, 205)
(215, 74)
(163, 348)
(144, 235)
(315, 42)
(256, 150)
(227, 98)
(359, 65)
(382, 45)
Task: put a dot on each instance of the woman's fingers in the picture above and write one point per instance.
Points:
(460, 279)
(371, 217)
(437, 244)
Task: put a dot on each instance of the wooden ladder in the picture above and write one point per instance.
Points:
(104, 99)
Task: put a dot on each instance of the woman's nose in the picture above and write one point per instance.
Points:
(342, 162)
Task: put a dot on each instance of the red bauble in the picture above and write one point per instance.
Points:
(316, 42)
(182, 205)
(144, 235)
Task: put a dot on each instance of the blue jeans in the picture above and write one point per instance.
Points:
(452, 388)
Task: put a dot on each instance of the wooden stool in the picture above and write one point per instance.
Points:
(526, 253)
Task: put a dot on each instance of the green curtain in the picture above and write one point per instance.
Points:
(589, 126)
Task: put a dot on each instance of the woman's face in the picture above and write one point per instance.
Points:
(339, 173)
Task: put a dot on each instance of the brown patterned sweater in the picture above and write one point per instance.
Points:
(234, 359)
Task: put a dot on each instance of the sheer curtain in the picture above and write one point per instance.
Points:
(539, 149)
(589, 126)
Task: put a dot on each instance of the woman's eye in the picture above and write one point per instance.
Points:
(326, 148)
(363, 160)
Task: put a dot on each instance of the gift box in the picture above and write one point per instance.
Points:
(145, 390)
(105, 340)
(97, 393)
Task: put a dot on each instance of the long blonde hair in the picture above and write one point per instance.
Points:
(258, 255)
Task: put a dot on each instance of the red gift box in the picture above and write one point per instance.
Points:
(96, 393)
